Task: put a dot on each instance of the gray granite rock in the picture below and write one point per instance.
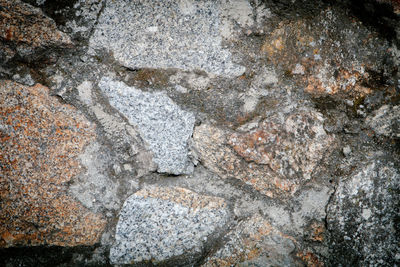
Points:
(157, 224)
(162, 124)
(165, 34)
(363, 215)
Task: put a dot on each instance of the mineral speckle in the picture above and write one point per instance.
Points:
(363, 214)
(156, 224)
(162, 124)
(40, 142)
(184, 35)
(15, 18)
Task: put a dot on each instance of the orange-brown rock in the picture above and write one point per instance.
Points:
(22, 23)
(24, 28)
(310, 259)
(254, 241)
(40, 141)
(275, 157)
(317, 53)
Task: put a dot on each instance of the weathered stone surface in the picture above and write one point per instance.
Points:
(331, 53)
(24, 28)
(277, 155)
(311, 210)
(255, 242)
(385, 121)
(184, 35)
(158, 224)
(40, 142)
(76, 17)
(363, 215)
(163, 125)
(291, 99)
(292, 148)
(94, 188)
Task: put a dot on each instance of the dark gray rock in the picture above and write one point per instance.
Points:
(363, 215)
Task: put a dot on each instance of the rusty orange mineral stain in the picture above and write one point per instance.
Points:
(310, 259)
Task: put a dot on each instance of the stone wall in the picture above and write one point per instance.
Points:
(199, 133)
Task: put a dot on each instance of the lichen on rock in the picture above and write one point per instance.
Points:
(15, 18)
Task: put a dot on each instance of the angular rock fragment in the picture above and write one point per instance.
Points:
(278, 155)
(162, 124)
(363, 215)
(40, 142)
(159, 224)
(254, 242)
(292, 148)
(24, 29)
(182, 34)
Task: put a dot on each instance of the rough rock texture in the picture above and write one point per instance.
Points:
(16, 17)
(173, 39)
(40, 142)
(163, 125)
(276, 155)
(199, 133)
(255, 242)
(328, 66)
(363, 215)
(385, 121)
(159, 224)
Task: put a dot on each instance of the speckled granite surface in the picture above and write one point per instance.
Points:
(156, 224)
(40, 141)
(199, 133)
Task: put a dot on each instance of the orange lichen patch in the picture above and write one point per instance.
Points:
(317, 57)
(183, 197)
(39, 150)
(277, 145)
(22, 23)
(310, 259)
(215, 153)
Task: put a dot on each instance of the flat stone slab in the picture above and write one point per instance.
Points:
(162, 124)
(165, 34)
(157, 224)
